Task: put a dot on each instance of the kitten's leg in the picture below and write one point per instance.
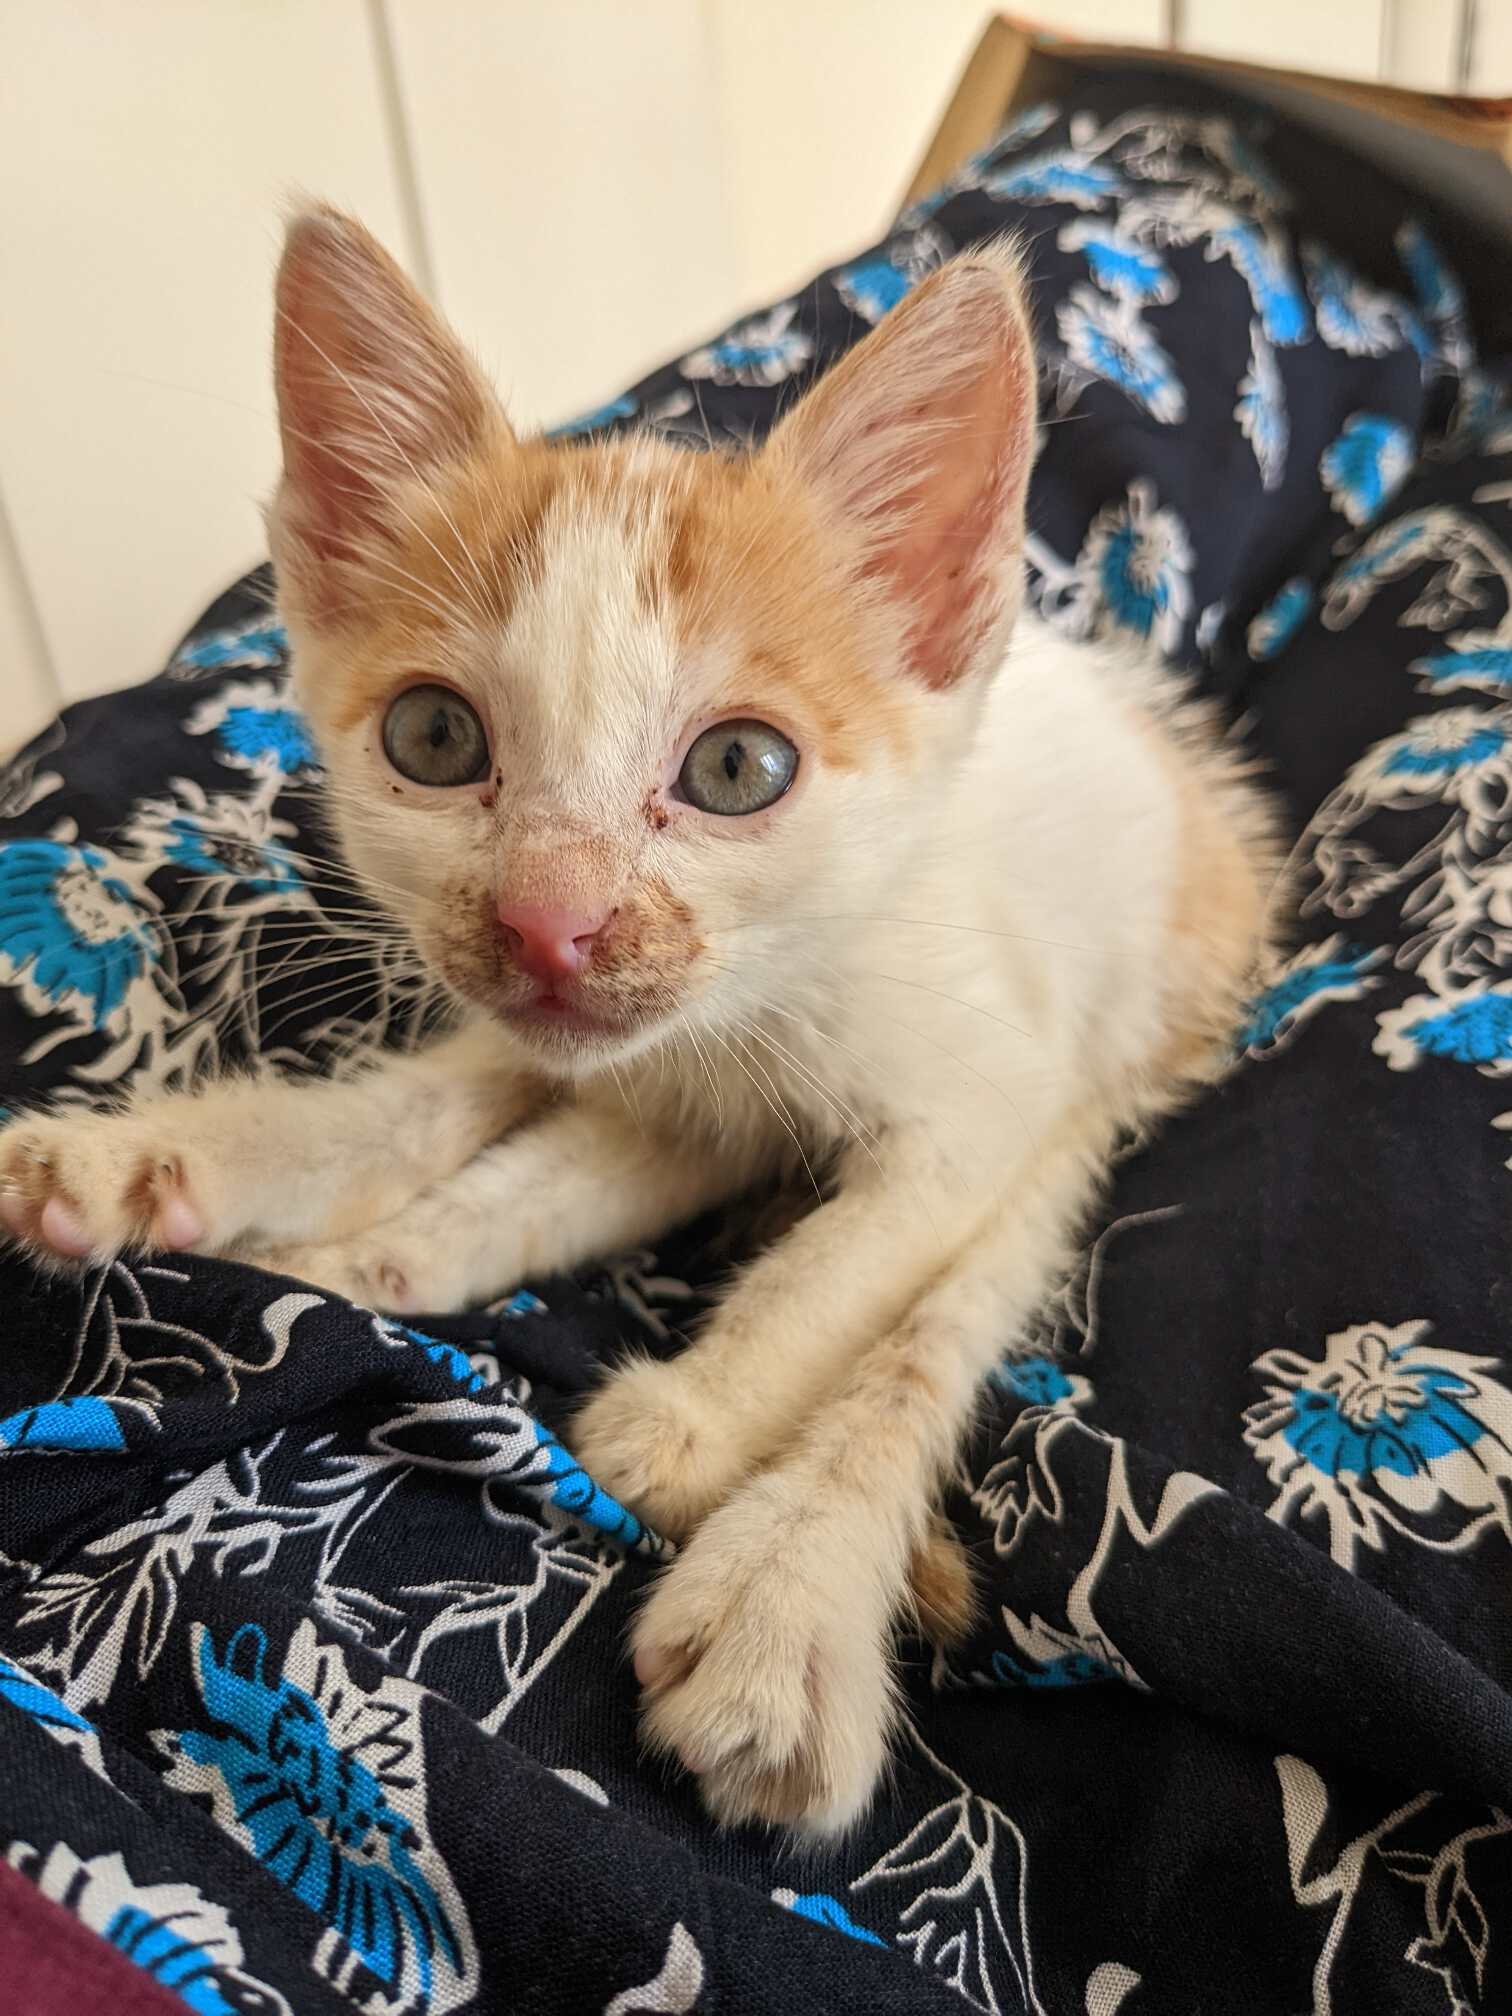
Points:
(584, 1181)
(674, 1438)
(764, 1649)
(258, 1160)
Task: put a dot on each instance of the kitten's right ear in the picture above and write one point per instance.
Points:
(374, 393)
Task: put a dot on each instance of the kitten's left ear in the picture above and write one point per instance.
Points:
(918, 446)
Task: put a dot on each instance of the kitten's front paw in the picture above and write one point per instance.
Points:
(763, 1655)
(81, 1186)
(384, 1269)
(654, 1440)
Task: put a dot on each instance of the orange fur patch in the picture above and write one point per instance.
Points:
(939, 1578)
(750, 561)
(1219, 900)
(743, 561)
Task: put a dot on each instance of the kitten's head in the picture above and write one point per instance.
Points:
(621, 732)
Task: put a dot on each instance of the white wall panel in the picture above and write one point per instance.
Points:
(1420, 43)
(1491, 48)
(570, 169)
(1340, 37)
(828, 108)
(144, 152)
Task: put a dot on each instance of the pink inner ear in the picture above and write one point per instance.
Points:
(961, 519)
(337, 496)
(372, 388)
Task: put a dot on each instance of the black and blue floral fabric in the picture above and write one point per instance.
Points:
(311, 1629)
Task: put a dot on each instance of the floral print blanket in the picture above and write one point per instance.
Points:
(311, 1672)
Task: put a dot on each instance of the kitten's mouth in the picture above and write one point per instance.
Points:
(564, 1016)
(561, 1017)
(556, 1011)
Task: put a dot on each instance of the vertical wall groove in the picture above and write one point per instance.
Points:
(401, 144)
(1464, 66)
(15, 585)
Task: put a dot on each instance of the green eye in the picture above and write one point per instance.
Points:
(738, 767)
(432, 736)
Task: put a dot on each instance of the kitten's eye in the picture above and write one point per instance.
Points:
(431, 735)
(740, 766)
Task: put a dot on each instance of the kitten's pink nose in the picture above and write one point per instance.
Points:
(547, 944)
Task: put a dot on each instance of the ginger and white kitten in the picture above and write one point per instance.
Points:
(715, 791)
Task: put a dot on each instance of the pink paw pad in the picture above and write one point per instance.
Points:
(64, 1230)
(178, 1225)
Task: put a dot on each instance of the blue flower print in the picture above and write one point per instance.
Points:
(1352, 315)
(1434, 283)
(1400, 1416)
(52, 1714)
(1308, 982)
(262, 646)
(763, 350)
(1439, 296)
(170, 1930)
(1482, 411)
(1066, 1669)
(1447, 753)
(81, 1423)
(1044, 1656)
(825, 1910)
(1041, 1382)
(18, 1688)
(72, 935)
(1264, 264)
(494, 1438)
(1107, 339)
(1391, 551)
(325, 1785)
(870, 288)
(1460, 755)
(520, 1303)
(1117, 263)
(453, 1362)
(1387, 1432)
(1134, 570)
(276, 736)
(873, 286)
(1023, 128)
(258, 728)
(227, 847)
(572, 1490)
(566, 1484)
(595, 422)
(1063, 175)
(257, 865)
(1488, 668)
(1472, 1027)
(1366, 465)
(1281, 618)
(1261, 410)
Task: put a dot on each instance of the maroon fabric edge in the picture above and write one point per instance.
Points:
(54, 1966)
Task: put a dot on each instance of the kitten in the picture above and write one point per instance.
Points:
(715, 792)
